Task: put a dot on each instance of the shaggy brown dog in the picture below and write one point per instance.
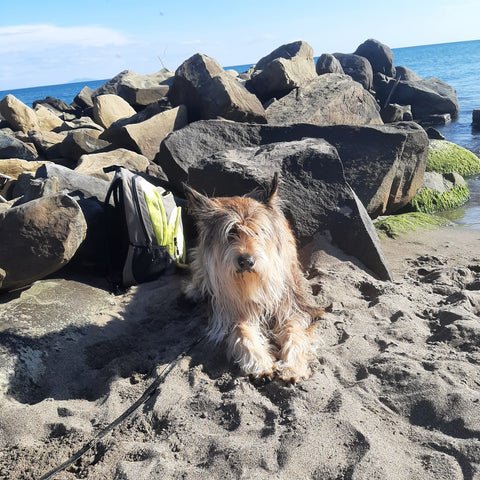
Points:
(246, 264)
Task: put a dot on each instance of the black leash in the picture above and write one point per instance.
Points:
(146, 395)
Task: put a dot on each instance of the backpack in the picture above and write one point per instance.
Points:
(145, 230)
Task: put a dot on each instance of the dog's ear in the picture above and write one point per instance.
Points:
(266, 195)
(196, 201)
(271, 192)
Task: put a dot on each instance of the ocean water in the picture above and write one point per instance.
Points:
(458, 64)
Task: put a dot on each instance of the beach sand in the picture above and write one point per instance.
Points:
(394, 391)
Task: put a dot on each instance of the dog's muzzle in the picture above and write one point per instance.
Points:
(245, 263)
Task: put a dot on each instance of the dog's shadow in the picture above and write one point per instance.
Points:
(81, 360)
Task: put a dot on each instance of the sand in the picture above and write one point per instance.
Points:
(394, 391)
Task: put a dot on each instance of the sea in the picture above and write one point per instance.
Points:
(457, 64)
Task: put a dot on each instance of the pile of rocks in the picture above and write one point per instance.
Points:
(322, 127)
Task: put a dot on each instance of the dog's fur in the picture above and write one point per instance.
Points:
(246, 264)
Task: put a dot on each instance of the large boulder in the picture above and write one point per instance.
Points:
(286, 68)
(138, 90)
(208, 92)
(17, 114)
(110, 108)
(10, 147)
(379, 55)
(312, 184)
(329, 99)
(429, 96)
(38, 238)
(383, 163)
(357, 67)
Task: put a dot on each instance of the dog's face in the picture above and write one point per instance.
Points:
(239, 237)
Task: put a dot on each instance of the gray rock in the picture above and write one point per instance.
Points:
(327, 63)
(329, 99)
(404, 73)
(278, 73)
(384, 164)
(476, 117)
(312, 184)
(10, 147)
(357, 67)
(379, 55)
(138, 90)
(38, 238)
(396, 113)
(84, 98)
(207, 91)
(76, 184)
(79, 142)
(430, 96)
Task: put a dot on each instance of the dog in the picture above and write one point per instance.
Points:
(246, 264)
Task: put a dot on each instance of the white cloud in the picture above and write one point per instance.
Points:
(19, 38)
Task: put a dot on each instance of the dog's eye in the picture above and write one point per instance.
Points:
(233, 232)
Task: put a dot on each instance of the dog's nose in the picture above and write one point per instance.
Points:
(246, 262)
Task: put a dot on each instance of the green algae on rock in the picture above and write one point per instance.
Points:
(431, 201)
(395, 225)
(445, 157)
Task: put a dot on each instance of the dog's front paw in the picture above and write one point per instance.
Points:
(293, 373)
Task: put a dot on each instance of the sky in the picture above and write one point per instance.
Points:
(54, 42)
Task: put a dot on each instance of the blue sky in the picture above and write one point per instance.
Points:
(45, 43)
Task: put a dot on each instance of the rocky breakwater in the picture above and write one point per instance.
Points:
(140, 122)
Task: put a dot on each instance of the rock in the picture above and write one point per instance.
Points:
(312, 184)
(440, 192)
(329, 99)
(476, 117)
(357, 67)
(384, 164)
(38, 238)
(18, 115)
(446, 157)
(13, 167)
(379, 55)
(56, 105)
(427, 97)
(145, 137)
(10, 147)
(138, 90)
(94, 163)
(109, 108)
(404, 73)
(434, 134)
(278, 73)
(47, 121)
(78, 143)
(327, 63)
(45, 142)
(436, 119)
(396, 113)
(202, 85)
(76, 184)
(84, 98)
